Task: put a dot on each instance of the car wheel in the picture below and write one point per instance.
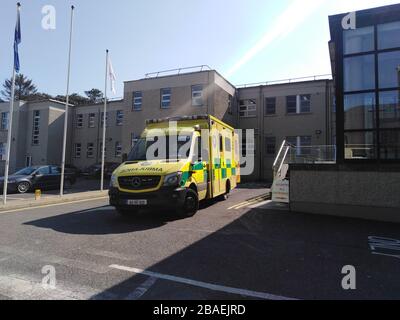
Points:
(191, 205)
(23, 187)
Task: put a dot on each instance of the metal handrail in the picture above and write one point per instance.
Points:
(279, 153)
(178, 71)
(266, 83)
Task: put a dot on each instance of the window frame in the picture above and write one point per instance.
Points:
(197, 89)
(136, 105)
(165, 104)
(36, 128)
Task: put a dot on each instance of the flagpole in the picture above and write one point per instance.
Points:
(66, 106)
(103, 155)
(9, 134)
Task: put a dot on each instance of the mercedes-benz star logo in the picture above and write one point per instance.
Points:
(136, 182)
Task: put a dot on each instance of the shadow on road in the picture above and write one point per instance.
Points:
(291, 255)
(105, 220)
(101, 221)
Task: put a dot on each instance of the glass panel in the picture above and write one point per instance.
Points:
(291, 104)
(305, 103)
(390, 144)
(388, 35)
(389, 109)
(359, 111)
(358, 40)
(389, 69)
(359, 73)
(360, 145)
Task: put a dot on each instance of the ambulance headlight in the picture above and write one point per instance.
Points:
(114, 181)
(173, 179)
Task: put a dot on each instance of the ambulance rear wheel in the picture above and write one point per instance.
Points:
(226, 195)
(191, 204)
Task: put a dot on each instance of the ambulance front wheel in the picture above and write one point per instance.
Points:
(190, 205)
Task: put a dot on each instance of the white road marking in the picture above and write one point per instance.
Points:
(209, 286)
(142, 289)
(54, 205)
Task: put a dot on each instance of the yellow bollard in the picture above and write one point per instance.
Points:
(38, 194)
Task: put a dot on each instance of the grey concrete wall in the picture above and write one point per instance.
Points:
(367, 193)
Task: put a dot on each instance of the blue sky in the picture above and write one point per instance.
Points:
(245, 40)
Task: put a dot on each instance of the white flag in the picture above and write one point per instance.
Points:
(112, 76)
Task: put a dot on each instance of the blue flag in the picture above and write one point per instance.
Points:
(17, 41)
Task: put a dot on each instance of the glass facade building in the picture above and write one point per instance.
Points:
(366, 69)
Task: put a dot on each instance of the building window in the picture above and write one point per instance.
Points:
(92, 118)
(359, 111)
(120, 117)
(388, 35)
(248, 108)
(270, 145)
(389, 144)
(79, 121)
(165, 98)
(102, 119)
(3, 150)
(360, 145)
(359, 73)
(90, 150)
(36, 128)
(298, 104)
(118, 149)
(134, 139)
(270, 106)
(137, 100)
(197, 95)
(389, 69)
(230, 104)
(78, 150)
(389, 110)
(291, 104)
(358, 40)
(4, 120)
(305, 103)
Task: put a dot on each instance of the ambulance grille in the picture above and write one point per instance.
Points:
(139, 182)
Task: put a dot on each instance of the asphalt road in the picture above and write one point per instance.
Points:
(221, 253)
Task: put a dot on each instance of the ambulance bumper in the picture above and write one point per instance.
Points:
(164, 197)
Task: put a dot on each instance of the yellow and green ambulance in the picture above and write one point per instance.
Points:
(176, 163)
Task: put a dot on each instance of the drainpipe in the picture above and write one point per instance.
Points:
(261, 134)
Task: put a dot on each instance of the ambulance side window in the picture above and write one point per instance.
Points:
(197, 150)
(228, 145)
(221, 148)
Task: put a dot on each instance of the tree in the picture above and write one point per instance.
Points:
(74, 99)
(24, 88)
(94, 95)
(39, 96)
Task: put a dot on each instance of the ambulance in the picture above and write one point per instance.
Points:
(176, 163)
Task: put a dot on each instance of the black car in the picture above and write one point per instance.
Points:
(94, 171)
(37, 177)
